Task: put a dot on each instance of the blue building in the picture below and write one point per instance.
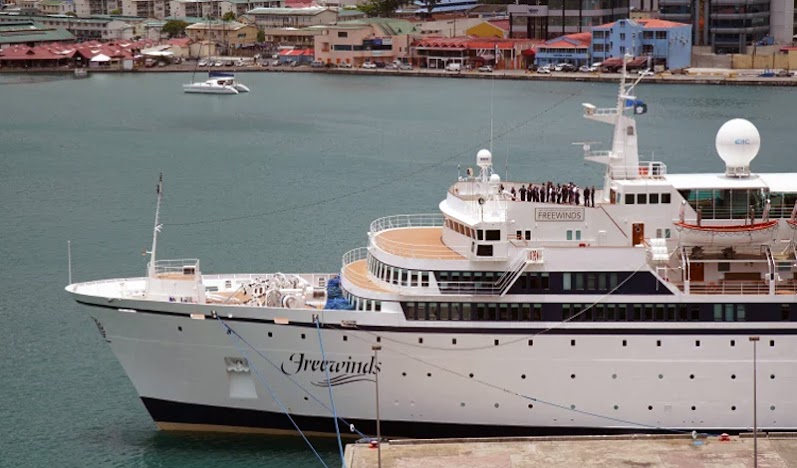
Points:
(664, 42)
(572, 49)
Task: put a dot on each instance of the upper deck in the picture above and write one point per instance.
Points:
(412, 236)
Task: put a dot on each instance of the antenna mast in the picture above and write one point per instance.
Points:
(157, 229)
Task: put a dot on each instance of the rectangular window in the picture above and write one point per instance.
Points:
(528, 235)
(591, 281)
(343, 34)
(717, 312)
(740, 313)
(484, 251)
(612, 280)
(479, 234)
(493, 235)
(729, 316)
(629, 198)
(519, 235)
(580, 281)
(642, 198)
(569, 234)
(409, 310)
(578, 234)
(653, 198)
(425, 279)
(610, 312)
(602, 281)
(567, 281)
(723, 266)
(659, 313)
(545, 282)
(622, 36)
(667, 233)
(637, 313)
(665, 198)
(467, 311)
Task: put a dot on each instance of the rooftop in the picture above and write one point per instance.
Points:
(648, 23)
(20, 32)
(307, 11)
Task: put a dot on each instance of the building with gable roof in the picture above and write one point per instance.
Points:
(572, 48)
(230, 33)
(94, 27)
(663, 42)
(292, 17)
(30, 33)
(434, 52)
(364, 40)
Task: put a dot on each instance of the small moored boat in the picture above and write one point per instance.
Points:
(212, 86)
(729, 235)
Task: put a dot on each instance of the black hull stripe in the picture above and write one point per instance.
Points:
(164, 411)
(701, 328)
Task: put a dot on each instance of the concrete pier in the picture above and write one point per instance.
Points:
(668, 451)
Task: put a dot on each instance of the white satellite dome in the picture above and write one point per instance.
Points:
(738, 142)
(484, 158)
(495, 178)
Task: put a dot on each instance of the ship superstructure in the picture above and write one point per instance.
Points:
(517, 308)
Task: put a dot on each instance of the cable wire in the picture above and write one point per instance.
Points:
(329, 386)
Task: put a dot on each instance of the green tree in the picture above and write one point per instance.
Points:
(261, 35)
(116, 12)
(229, 16)
(381, 8)
(174, 28)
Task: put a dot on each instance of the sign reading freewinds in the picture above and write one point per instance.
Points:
(571, 214)
(340, 372)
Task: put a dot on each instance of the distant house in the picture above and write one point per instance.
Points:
(572, 48)
(230, 33)
(365, 40)
(664, 43)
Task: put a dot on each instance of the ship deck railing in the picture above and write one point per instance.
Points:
(740, 288)
(355, 270)
(506, 195)
(641, 170)
(183, 268)
(412, 236)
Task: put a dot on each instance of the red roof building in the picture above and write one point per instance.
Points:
(438, 52)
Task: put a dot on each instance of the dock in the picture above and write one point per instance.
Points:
(775, 450)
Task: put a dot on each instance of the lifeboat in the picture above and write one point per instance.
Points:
(728, 235)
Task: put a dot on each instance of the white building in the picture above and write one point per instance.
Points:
(86, 8)
(158, 9)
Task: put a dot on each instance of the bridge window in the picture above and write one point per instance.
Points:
(653, 198)
(493, 235)
(484, 251)
(666, 198)
(642, 198)
(629, 198)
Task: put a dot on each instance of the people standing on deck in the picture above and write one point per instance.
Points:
(523, 192)
(586, 196)
(592, 197)
(513, 192)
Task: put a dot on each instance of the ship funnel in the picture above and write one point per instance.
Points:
(738, 142)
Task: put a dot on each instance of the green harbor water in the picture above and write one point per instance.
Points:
(286, 178)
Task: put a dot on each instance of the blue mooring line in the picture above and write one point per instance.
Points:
(329, 386)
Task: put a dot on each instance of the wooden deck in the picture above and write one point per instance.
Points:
(416, 242)
(357, 273)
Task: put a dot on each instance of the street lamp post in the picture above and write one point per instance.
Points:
(754, 340)
(376, 349)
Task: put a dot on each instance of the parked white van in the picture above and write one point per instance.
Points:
(454, 66)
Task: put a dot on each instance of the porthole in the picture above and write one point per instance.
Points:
(661, 376)
(496, 405)
(462, 404)
(270, 334)
(625, 343)
(306, 399)
(531, 406)
(658, 343)
(772, 408)
(378, 339)
(733, 376)
(614, 376)
(302, 335)
(522, 376)
(470, 375)
(403, 374)
(697, 343)
(345, 338)
(650, 408)
(733, 408)
(692, 376)
(616, 407)
(694, 408)
(572, 342)
(453, 341)
(420, 340)
(428, 374)
(771, 343)
(179, 328)
(733, 343)
(495, 342)
(572, 376)
(772, 376)
(531, 342)
(572, 406)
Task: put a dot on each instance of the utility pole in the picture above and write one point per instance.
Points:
(754, 340)
(376, 349)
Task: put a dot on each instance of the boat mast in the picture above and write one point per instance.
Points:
(157, 228)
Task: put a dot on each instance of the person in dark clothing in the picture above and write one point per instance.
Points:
(522, 193)
(586, 196)
(592, 196)
(513, 192)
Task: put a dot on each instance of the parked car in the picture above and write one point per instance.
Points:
(380, 64)
(545, 70)
(294, 63)
(317, 64)
(275, 63)
(405, 66)
(587, 69)
(454, 66)
(369, 65)
(218, 64)
(564, 67)
(202, 63)
(485, 69)
(344, 65)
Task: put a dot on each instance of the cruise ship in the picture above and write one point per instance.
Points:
(508, 311)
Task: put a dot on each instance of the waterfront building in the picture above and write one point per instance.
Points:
(230, 33)
(300, 56)
(359, 41)
(572, 48)
(302, 38)
(157, 9)
(30, 33)
(562, 17)
(438, 52)
(292, 17)
(451, 27)
(87, 8)
(216, 8)
(733, 26)
(95, 27)
(665, 43)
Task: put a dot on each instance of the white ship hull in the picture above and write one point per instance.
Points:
(209, 88)
(578, 378)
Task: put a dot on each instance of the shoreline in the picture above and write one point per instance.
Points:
(705, 76)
